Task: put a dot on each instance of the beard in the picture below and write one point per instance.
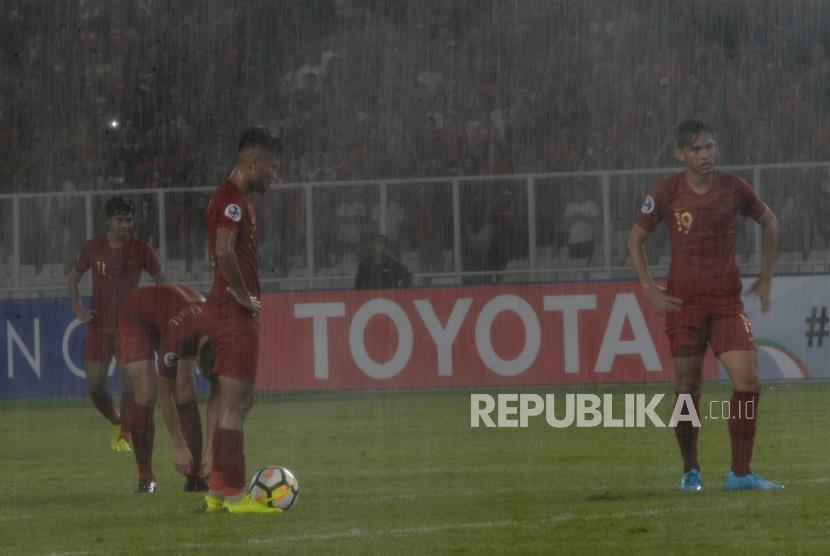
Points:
(259, 185)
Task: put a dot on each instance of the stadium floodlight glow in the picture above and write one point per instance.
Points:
(114, 123)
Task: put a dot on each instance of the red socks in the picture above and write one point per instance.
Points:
(144, 430)
(191, 423)
(228, 454)
(686, 435)
(216, 485)
(126, 414)
(743, 409)
(102, 400)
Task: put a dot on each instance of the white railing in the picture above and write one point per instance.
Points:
(607, 186)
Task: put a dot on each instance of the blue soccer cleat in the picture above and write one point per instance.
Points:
(691, 481)
(750, 481)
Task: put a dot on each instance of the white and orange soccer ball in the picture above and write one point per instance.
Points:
(275, 487)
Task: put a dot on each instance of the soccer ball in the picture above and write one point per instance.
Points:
(275, 487)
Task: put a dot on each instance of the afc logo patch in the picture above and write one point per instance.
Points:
(170, 359)
(233, 212)
(648, 205)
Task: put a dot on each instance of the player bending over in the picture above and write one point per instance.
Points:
(702, 303)
(168, 320)
(116, 260)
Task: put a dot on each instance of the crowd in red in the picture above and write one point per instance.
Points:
(152, 94)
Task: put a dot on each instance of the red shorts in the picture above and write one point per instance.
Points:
(236, 343)
(99, 346)
(136, 341)
(718, 322)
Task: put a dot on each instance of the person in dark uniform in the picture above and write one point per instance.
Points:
(381, 271)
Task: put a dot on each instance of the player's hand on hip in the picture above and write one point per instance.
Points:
(250, 302)
(762, 289)
(661, 301)
(182, 460)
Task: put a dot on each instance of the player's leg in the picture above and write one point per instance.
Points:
(236, 397)
(230, 397)
(212, 412)
(236, 344)
(191, 422)
(127, 401)
(732, 340)
(96, 382)
(96, 366)
(689, 376)
(145, 387)
(687, 337)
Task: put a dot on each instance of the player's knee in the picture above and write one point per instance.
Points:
(750, 383)
(687, 385)
(247, 403)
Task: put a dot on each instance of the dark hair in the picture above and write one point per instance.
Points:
(119, 205)
(688, 131)
(258, 136)
(207, 356)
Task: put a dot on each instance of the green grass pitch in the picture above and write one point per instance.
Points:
(403, 473)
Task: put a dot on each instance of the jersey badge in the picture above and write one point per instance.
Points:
(648, 205)
(233, 212)
(170, 359)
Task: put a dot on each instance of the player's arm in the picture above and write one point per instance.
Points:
(660, 300)
(152, 266)
(769, 247)
(182, 458)
(83, 315)
(229, 266)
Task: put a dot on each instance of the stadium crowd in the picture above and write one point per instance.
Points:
(151, 94)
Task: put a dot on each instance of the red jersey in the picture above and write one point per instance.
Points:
(171, 313)
(230, 208)
(115, 273)
(702, 231)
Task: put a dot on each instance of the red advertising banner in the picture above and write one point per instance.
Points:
(541, 334)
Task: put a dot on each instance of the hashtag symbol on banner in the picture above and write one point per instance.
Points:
(817, 327)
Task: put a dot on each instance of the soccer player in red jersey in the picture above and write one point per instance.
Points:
(116, 259)
(702, 302)
(167, 320)
(232, 312)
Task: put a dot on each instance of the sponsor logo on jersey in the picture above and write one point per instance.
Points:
(648, 205)
(233, 212)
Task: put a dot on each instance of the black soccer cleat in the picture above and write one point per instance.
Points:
(195, 484)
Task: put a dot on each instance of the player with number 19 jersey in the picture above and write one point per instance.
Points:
(232, 329)
(703, 272)
(702, 231)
